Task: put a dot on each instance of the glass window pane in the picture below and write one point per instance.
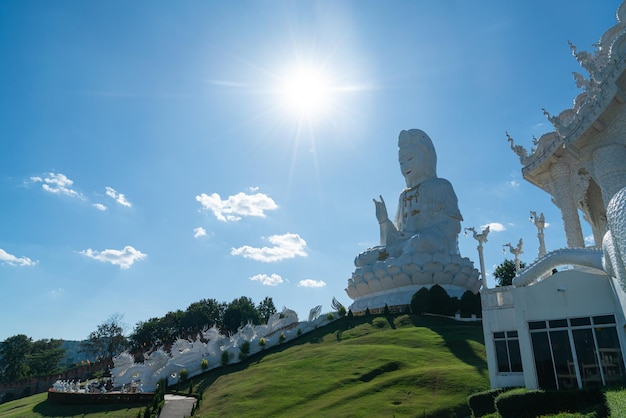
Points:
(587, 358)
(558, 323)
(498, 335)
(563, 360)
(610, 355)
(604, 319)
(502, 357)
(537, 325)
(577, 322)
(543, 360)
(515, 356)
(511, 334)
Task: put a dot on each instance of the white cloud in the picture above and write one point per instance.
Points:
(56, 183)
(199, 232)
(99, 206)
(590, 240)
(55, 293)
(271, 280)
(494, 227)
(123, 258)
(233, 208)
(285, 246)
(118, 197)
(311, 283)
(513, 183)
(15, 261)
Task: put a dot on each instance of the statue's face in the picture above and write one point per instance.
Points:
(411, 165)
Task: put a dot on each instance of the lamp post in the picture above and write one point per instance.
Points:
(540, 223)
(516, 251)
(482, 237)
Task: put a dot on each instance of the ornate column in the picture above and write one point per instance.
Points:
(609, 165)
(563, 197)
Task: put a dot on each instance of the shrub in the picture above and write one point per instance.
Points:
(282, 337)
(386, 310)
(367, 312)
(482, 403)
(262, 342)
(420, 302)
(204, 364)
(225, 358)
(350, 314)
(299, 332)
(245, 347)
(379, 322)
(518, 403)
(183, 375)
(330, 316)
(342, 311)
(242, 356)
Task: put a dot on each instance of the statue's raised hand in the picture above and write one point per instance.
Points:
(381, 210)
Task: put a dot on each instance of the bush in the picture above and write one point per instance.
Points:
(367, 312)
(183, 375)
(225, 358)
(262, 342)
(204, 364)
(386, 310)
(245, 347)
(330, 316)
(350, 314)
(342, 311)
(420, 302)
(299, 332)
(242, 356)
(538, 402)
(282, 337)
(470, 304)
(482, 403)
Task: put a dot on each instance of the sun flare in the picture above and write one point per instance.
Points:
(306, 91)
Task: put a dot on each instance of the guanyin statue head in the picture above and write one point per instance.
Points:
(417, 156)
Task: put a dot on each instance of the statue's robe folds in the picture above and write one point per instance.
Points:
(428, 220)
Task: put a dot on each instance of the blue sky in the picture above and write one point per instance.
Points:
(149, 157)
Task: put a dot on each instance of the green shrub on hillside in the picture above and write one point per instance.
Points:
(225, 358)
(245, 347)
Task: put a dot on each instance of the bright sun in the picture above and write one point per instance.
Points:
(306, 92)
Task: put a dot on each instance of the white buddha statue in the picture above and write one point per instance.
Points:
(428, 219)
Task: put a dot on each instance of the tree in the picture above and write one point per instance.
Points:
(13, 353)
(202, 314)
(505, 272)
(146, 334)
(108, 339)
(266, 309)
(239, 312)
(45, 356)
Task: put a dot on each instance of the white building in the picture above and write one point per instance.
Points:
(567, 329)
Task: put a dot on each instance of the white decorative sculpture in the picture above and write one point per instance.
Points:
(516, 251)
(419, 248)
(481, 238)
(185, 354)
(540, 223)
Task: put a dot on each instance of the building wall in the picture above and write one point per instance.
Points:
(566, 294)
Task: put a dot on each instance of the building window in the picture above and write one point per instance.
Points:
(507, 352)
(577, 352)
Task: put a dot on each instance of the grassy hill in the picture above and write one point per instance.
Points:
(367, 366)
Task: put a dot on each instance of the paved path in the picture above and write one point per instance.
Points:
(177, 406)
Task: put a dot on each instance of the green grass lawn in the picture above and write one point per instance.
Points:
(375, 366)
(38, 406)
